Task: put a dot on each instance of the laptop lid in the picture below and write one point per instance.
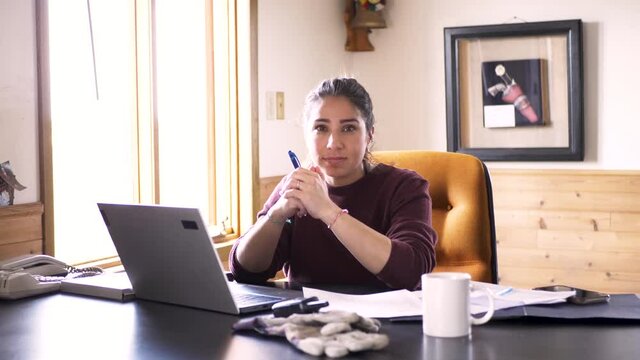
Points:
(169, 257)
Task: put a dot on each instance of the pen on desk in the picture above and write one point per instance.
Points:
(294, 159)
(504, 291)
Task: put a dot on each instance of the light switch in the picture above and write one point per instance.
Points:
(280, 105)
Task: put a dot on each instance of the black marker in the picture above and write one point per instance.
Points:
(294, 159)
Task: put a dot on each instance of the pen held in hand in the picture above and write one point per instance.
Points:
(294, 159)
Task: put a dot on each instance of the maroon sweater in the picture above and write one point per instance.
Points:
(392, 201)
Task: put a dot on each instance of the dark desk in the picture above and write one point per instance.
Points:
(72, 327)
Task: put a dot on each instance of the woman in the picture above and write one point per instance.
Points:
(343, 219)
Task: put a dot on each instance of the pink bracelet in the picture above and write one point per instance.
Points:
(343, 211)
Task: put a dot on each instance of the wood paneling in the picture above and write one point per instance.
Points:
(579, 228)
(267, 185)
(20, 230)
(20, 248)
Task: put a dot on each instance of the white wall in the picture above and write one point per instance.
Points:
(18, 95)
(301, 42)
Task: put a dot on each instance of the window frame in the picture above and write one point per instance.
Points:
(241, 105)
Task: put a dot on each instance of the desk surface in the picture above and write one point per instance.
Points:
(66, 326)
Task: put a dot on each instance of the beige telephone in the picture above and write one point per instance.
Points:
(35, 264)
(29, 275)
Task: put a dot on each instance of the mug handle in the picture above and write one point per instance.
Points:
(489, 314)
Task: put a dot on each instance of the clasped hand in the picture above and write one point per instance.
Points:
(304, 193)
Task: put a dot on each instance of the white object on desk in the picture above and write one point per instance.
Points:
(381, 305)
(16, 285)
(401, 303)
(446, 305)
(507, 297)
(114, 286)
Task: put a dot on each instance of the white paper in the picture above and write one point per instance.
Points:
(406, 303)
(380, 305)
(499, 116)
(512, 297)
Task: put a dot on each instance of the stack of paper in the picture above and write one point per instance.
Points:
(380, 305)
(404, 303)
(114, 286)
(505, 297)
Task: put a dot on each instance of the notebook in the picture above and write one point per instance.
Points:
(115, 286)
(169, 257)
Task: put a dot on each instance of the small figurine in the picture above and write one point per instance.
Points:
(8, 184)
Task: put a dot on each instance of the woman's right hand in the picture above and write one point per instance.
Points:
(287, 206)
(256, 250)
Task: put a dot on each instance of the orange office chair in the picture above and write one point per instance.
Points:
(462, 202)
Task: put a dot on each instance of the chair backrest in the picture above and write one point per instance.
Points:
(462, 203)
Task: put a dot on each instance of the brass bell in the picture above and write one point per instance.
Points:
(368, 19)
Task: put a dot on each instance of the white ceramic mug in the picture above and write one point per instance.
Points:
(446, 305)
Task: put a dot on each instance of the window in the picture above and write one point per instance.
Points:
(143, 106)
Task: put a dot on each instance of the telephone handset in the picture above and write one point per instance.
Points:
(36, 265)
(36, 274)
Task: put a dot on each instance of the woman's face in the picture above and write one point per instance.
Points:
(337, 140)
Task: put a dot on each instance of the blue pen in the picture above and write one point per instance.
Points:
(294, 159)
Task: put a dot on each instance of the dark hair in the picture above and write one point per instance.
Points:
(349, 88)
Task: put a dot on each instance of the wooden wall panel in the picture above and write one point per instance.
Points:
(20, 248)
(570, 227)
(20, 230)
(613, 282)
(626, 221)
(267, 185)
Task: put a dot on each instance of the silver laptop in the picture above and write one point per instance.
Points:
(169, 257)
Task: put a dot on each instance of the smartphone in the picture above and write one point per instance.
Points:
(582, 296)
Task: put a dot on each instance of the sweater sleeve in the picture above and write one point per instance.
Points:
(280, 256)
(413, 239)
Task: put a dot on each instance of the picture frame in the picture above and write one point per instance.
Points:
(543, 59)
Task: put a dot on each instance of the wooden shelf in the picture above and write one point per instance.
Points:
(21, 230)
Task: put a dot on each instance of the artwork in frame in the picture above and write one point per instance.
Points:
(514, 91)
(510, 103)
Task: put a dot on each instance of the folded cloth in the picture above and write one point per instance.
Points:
(333, 333)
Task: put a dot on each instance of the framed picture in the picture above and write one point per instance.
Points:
(514, 91)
